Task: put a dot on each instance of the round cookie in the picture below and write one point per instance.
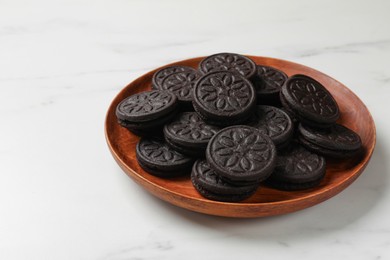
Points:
(189, 134)
(146, 110)
(268, 84)
(311, 102)
(157, 158)
(151, 125)
(224, 98)
(211, 186)
(146, 106)
(241, 154)
(181, 84)
(160, 75)
(275, 123)
(229, 62)
(297, 169)
(337, 141)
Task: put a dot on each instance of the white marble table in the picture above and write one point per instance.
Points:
(62, 196)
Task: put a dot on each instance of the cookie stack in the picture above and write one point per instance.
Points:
(233, 125)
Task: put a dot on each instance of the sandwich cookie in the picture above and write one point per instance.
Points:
(157, 158)
(161, 74)
(241, 155)
(189, 134)
(268, 84)
(211, 186)
(147, 111)
(232, 62)
(224, 98)
(297, 169)
(181, 84)
(274, 123)
(337, 141)
(309, 101)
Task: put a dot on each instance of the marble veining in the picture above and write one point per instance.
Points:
(75, 74)
(152, 250)
(354, 47)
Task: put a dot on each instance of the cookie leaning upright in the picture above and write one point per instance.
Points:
(275, 123)
(309, 101)
(337, 141)
(147, 110)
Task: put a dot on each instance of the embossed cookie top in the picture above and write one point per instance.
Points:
(299, 164)
(310, 99)
(208, 178)
(188, 127)
(224, 93)
(160, 75)
(157, 152)
(273, 122)
(270, 80)
(146, 105)
(230, 62)
(241, 153)
(181, 84)
(335, 137)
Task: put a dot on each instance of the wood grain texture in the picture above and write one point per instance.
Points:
(266, 201)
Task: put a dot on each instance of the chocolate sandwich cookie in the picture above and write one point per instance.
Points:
(181, 84)
(310, 102)
(337, 141)
(229, 61)
(157, 158)
(189, 134)
(241, 155)
(268, 83)
(148, 110)
(211, 186)
(275, 123)
(161, 74)
(297, 169)
(224, 98)
(148, 128)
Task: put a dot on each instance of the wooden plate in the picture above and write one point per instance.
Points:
(267, 201)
